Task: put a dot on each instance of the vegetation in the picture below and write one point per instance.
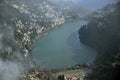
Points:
(103, 34)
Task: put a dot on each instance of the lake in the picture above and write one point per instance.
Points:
(62, 47)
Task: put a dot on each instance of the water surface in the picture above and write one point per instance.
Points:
(62, 47)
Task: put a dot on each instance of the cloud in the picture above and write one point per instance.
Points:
(10, 70)
(0, 41)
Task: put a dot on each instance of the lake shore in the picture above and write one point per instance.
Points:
(76, 72)
(64, 49)
(54, 72)
(44, 33)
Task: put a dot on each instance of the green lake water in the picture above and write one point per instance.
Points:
(61, 47)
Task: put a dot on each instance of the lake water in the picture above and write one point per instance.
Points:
(62, 47)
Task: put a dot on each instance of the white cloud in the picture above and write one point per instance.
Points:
(10, 70)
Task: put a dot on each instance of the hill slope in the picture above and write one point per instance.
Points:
(103, 34)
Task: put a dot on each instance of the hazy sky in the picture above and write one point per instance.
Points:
(94, 4)
(89, 4)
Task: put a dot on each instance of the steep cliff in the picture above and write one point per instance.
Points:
(103, 34)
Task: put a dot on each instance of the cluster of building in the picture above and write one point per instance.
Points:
(37, 74)
(26, 35)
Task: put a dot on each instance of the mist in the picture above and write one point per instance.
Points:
(33, 16)
(10, 70)
(87, 4)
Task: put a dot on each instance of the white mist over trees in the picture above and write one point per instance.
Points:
(10, 70)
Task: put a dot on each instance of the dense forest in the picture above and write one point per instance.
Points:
(103, 34)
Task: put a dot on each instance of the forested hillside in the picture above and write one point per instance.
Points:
(103, 34)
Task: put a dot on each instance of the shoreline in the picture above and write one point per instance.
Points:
(75, 67)
(44, 33)
(77, 71)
